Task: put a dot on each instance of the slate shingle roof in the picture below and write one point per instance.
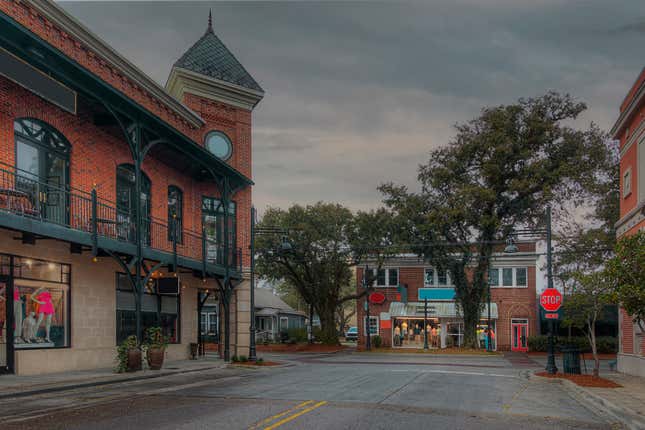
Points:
(210, 57)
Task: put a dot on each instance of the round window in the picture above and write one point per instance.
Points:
(219, 145)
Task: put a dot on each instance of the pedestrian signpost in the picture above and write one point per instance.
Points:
(551, 301)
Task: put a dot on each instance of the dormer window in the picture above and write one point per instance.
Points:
(219, 145)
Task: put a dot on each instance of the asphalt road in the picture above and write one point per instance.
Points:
(348, 391)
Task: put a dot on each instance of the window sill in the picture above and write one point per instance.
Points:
(520, 287)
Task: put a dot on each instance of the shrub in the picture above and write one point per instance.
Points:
(122, 353)
(297, 334)
(243, 359)
(605, 344)
(376, 341)
(235, 359)
(260, 361)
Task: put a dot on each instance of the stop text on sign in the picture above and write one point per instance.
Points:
(551, 300)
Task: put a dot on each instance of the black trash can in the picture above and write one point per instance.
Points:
(571, 359)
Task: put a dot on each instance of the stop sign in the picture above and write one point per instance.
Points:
(551, 300)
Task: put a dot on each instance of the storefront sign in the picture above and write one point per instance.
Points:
(377, 298)
(436, 293)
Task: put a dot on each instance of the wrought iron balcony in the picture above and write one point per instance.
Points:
(36, 205)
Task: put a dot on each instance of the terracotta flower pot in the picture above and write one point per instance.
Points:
(155, 358)
(134, 360)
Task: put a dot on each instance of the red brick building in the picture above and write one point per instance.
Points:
(399, 319)
(111, 186)
(630, 130)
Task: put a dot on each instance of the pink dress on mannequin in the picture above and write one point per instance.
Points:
(47, 307)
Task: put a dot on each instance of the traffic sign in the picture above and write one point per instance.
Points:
(551, 300)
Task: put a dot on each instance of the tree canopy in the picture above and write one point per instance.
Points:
(500, 171)
(326, 241)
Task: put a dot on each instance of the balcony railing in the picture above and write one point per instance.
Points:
(25, 194)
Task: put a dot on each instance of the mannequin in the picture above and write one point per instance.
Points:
(17, 312)
(45, 309)
(29, 328)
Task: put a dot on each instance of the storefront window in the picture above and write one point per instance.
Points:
(380, 277)
(393, 276)
(156, 311)
(40, 304)
(373, 324)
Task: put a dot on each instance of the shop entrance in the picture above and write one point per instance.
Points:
(6, 326)
(519, 334)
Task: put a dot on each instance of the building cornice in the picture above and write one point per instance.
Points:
(67, 23)
(628, 112)
(182, 81)
(631, 219)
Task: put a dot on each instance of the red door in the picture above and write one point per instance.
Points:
(519, 335)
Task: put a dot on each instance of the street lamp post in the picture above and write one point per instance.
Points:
(489, 344)
(425, 324)
(252, 351)
(368, 329)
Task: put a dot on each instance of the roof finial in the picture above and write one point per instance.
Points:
(210, 21)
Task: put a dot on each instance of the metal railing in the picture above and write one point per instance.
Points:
(25, 194)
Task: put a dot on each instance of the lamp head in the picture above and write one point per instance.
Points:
(511, 247)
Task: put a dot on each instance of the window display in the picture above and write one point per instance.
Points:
(408, 333)
(40, 314)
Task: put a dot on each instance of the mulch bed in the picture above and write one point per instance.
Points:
(458, 351)
(587, 355)
(583, 380)
(301, 347)
(256, 364)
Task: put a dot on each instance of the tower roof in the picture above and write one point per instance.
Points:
(210, 57)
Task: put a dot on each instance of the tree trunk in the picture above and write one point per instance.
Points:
(594, 349)
(328, 332)
(471, 319)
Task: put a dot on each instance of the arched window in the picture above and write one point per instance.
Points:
(126, 203)
(175, 211)
(42, 167)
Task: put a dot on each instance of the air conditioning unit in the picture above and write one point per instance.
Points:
(168, 286)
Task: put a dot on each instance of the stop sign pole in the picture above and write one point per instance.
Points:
(550, 363)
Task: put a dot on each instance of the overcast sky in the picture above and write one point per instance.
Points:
(359, 93)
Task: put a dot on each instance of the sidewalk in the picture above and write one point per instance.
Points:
(14, 385)
(628, 400)
(625, 405)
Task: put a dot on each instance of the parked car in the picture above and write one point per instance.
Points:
(352, 334)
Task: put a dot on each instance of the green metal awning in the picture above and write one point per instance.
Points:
(30, 48)
(435, 310)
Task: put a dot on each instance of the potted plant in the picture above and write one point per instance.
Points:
(128, 355)
(156, 344)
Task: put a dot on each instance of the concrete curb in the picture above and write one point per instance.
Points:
(97, 382)
(629, 418)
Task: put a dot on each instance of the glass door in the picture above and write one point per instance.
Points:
(519, 333)
(7, 307)
(55, 201)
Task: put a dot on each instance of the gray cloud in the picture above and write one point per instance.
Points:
(359, 93)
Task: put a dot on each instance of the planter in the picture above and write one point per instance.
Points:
(134, 360)
(155, 358)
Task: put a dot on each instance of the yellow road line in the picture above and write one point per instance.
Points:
(294, 416)
(281, 414)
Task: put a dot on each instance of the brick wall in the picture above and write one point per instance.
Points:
(511, 302)
(96, 153)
